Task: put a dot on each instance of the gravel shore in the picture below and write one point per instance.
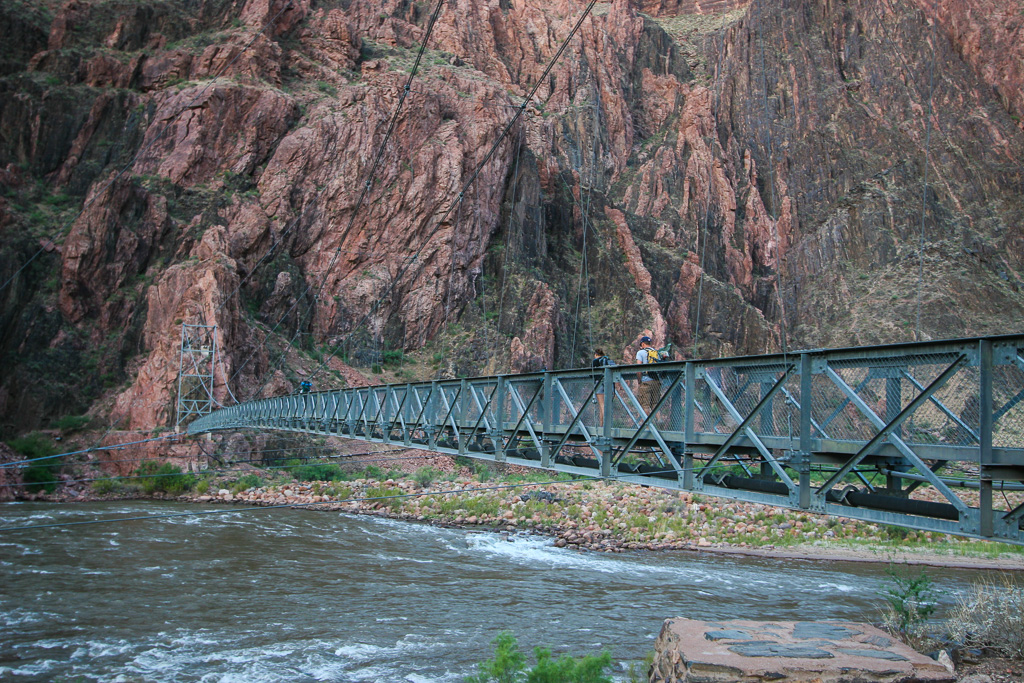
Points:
(615, 517)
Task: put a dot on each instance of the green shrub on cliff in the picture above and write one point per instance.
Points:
(71, 423)
(153, 477)
(38, 476)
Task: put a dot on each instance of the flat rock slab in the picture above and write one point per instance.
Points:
(739, 651)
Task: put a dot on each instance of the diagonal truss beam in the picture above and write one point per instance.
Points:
(745, 429)
(513, 393)
(886, 432)
(942, 407)
(575, 420)
(647, 425)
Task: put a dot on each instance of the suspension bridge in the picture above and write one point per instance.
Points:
(848, 432)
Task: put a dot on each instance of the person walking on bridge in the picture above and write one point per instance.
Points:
(597, 364)
(648, 389)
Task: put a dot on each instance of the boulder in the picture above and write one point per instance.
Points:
(741, 651)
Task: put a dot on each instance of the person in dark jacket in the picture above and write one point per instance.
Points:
(600, 360)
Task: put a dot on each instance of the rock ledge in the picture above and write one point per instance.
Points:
(738, 651)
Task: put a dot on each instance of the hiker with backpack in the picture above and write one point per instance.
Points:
(648, 382)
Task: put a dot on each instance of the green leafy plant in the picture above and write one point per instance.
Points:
(638, 671)
(425, 476)
(246, 482)
(38, 476)
(318, 472)
(387, 496)
(373, 472)
(509, 666)
(108, 485)
(153, 477)
(910, 604)
(71, 423)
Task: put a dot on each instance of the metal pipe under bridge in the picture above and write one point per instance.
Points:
(847, 432)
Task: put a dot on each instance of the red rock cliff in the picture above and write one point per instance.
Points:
(728, 175)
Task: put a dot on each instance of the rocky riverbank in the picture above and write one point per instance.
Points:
(617, 517)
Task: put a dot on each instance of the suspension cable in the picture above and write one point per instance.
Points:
(508, 233)
(367, 185)
(451, 284)
(407, 263)
(91, 449)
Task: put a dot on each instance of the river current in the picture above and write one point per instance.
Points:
(295, 595)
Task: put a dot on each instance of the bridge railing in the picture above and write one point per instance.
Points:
(817, 429)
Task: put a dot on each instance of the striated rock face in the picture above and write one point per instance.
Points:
(989, 37)
(536, 350)
(729, 176)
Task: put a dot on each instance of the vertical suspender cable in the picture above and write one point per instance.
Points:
(451, 285)
(707, 210)
(508, 234)
(924, 190)
(771, 181)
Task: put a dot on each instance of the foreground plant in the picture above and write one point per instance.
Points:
(991, 615)
(910, 605)
(509, 666)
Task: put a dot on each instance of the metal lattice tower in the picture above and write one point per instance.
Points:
(196, 365)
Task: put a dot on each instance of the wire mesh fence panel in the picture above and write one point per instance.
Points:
(785, 411)
(417, 406)
(483, 395)
(950, 415)
(670, 414)
(835, 402)
(525, 394)
(626, 408)
(448, 405)
(744, 389)
(574, 395)
(1008, 404)
(712, 417)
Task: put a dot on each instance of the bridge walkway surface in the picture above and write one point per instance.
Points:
(849, 432)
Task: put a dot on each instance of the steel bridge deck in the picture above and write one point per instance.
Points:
(848, 432)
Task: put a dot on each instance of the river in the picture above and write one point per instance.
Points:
(295, 595)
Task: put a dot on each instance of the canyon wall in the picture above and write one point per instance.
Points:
(728, 176)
